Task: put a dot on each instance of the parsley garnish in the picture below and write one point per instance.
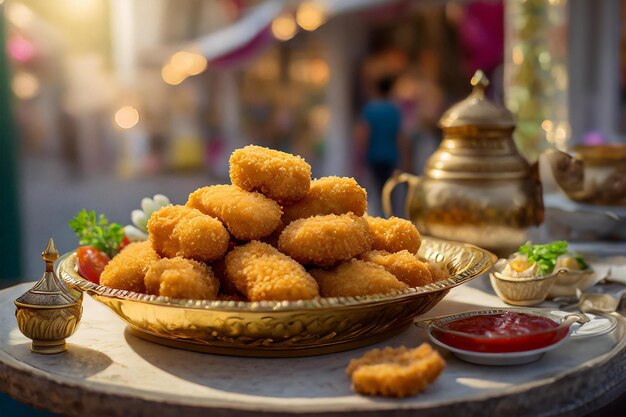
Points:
(97, 231)
(544, 255)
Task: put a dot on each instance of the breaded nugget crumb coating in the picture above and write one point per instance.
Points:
(326, 240)
(328, 195)
(181, 278)
(394, 234)
(187, 232)
(354, 278)
(247, 215)
(261, 272)
(275, 174)
(396, 372)
(403, 265)
(127, 269)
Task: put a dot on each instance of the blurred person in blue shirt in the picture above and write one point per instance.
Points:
(378, 137)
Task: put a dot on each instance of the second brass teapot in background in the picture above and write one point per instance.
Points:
(476, 187)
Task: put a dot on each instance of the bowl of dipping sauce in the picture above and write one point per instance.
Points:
(502, 336)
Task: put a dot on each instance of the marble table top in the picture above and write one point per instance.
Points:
(109, 372)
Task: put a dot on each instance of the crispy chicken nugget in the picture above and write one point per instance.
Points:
(326, 240)
(394, 234)
(247, 216)
(127, 269)
(354, 277)
(187, 232)
(396, 372)
(328, 195)
(181, 278)
(261, 272)
(403, 265)
(277, 175)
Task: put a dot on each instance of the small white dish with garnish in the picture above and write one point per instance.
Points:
(536, 272)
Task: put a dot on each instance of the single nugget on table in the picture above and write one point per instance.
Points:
(278, 175)
(326, 240)
(261, 272)
(403, 265)
(328, 195)
(247, 215)
(127, 269)
(187, 232)
(394, 234)
(396, 372)
(181, 278)
(354, 278)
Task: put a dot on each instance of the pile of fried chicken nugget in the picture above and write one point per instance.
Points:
(274, 234)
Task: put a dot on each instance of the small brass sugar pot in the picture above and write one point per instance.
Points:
(49, 312)
(476, 187)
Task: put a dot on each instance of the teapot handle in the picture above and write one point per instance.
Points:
(398, 177)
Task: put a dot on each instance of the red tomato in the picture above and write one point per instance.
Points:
(125, 242)
(91, 263)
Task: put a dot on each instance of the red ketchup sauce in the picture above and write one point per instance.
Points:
(500, 333)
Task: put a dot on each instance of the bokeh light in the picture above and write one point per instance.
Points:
(25, 85)
(198, 64)
(318, 71)
(310, 15)
(171, 75)
(182, 65)
(127, 117)
(284, 27)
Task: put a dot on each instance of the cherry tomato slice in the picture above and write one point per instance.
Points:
(91, 263)
(125, 242)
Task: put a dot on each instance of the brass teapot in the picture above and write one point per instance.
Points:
(476, 187)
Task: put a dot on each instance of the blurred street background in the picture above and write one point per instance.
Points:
(109, 101)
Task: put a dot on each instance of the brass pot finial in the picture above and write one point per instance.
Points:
(480, 82)
(49, 312)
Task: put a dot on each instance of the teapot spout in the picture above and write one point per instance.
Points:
(568, 171)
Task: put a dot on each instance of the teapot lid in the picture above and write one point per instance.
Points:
(477, 110)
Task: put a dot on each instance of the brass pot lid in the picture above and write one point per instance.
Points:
(447, 165)
(477, 110)
(49, 291)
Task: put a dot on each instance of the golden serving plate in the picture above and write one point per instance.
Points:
(284, 328)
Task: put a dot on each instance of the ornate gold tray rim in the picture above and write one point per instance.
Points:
(68, 272)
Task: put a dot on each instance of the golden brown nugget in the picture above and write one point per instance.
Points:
(247, 215)
(187, 232)
(181, 278)
(275, 174)
(354, 278)
(261, 272)
(127, 269)
(328, 195)
(398, 372)
(394, 234)
(326, 240)
(403, 265)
